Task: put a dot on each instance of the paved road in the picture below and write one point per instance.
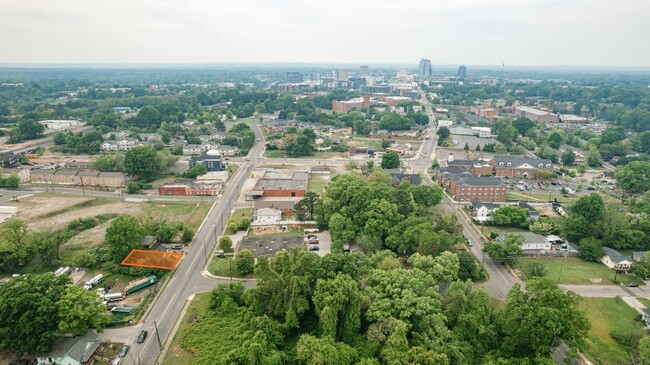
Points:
(606, 291)
(187, 279)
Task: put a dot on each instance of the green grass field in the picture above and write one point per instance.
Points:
(317, 183)
(196, 210)
(607, 316)
(221, 266)
(176, 355)
(572, 270)
(315, 155)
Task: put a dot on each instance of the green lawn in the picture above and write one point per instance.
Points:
(607, 316)
(162, 180)
(572, 270)
(537, 197)
(318, 182)
(315, 155)
(221, 266)
(195, 210)
(644, 301)
(242, 212)
(176, 355)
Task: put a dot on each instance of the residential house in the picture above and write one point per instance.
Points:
(533, 242)
(267, 216)
(481, 211)
(533, 214)
(150, 137)
(645, 317)
(71, 351)
(639, 256)
(399, 176)
(507, 165)
(616, 260)
(192, 150)
(228, 150)
(122, 144)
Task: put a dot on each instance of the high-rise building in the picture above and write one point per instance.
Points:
(294, 77)
(364, 71)
(425, 68)
(462, 72)
(343, 75)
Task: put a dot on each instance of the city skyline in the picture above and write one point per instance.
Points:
(469, 32)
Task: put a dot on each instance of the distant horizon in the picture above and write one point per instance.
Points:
(298, 64)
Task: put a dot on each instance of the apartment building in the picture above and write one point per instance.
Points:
(464, 186)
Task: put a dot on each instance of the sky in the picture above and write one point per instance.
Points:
(473, 32)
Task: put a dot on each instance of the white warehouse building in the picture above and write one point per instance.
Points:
(482, 132)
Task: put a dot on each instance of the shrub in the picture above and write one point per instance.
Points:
(244, 223)
(245, 262)
(188, 235)
(225, 244)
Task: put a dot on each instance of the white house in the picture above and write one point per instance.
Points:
(228, 150)
(445, 123)
(532, 242)
(481, 211)
(71, 351)
(616, 260)
(482, 132)
(192, 149)
(267, 216)
(108, 146)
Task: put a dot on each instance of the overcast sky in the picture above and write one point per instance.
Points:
(485, 32)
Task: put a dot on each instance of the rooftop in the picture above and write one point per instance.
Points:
(296, 180)
(615, 256)
(80, 348)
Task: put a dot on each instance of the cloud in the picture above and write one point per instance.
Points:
(532, 32)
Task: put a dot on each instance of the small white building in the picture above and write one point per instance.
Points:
(445, 123)
(482, 132)
(616, 260)
(481, 211)
(267, 216)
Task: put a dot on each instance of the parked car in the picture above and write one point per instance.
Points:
(312, 237)
(632, 285)
(125, 349)
(591, 188)
(314, 248)
(313, 242)
(142, 336)
(470, 243)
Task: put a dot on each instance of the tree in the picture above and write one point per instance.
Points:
(523, 125)
(196, 170)
(634, 177)
(59, 138)
(537, 320)
(29, 320)
(225, 244)
(15, 245)
(390, 160)
(535, 270)
(443, 132)
(644, 350)
(427, 195)
(581, 169)
(577, 227)
(435, 164)
(324, 351)
(379, 176)
(28, 129)
(306, 207)
(591, 207)
(80, 310)
(143, 162)
(123, 235)
(165, 232)
(506, 135)
(591, 249)
(244, 262)
(337, 303)
(109, 163)
(510, 216)
(568, 158)
(466, 148)
(508, 251)
(443, 268)
(593, 157)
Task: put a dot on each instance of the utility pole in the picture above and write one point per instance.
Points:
(155, 325)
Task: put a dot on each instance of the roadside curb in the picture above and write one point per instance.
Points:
(209, 275)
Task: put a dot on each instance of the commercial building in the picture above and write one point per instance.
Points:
(79, 178)
(292, 87)
(62, 124)
(507, 165)
(462, 72)
(376, 89)
(536, 115)
(445, 123)
(342, 75)
(464, 186)
(211, 160)
(364, 71)
(344, 106)
(281, 184)
(482, 132)
(285, 205)
(294, 77)
(424, 69)
(190, 187)
(570, 119)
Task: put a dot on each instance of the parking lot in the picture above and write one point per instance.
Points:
(324, 243)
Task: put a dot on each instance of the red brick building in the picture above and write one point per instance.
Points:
(463, 186)
(189, 188)
(344, 106)
(476, 167)
(289, 185)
